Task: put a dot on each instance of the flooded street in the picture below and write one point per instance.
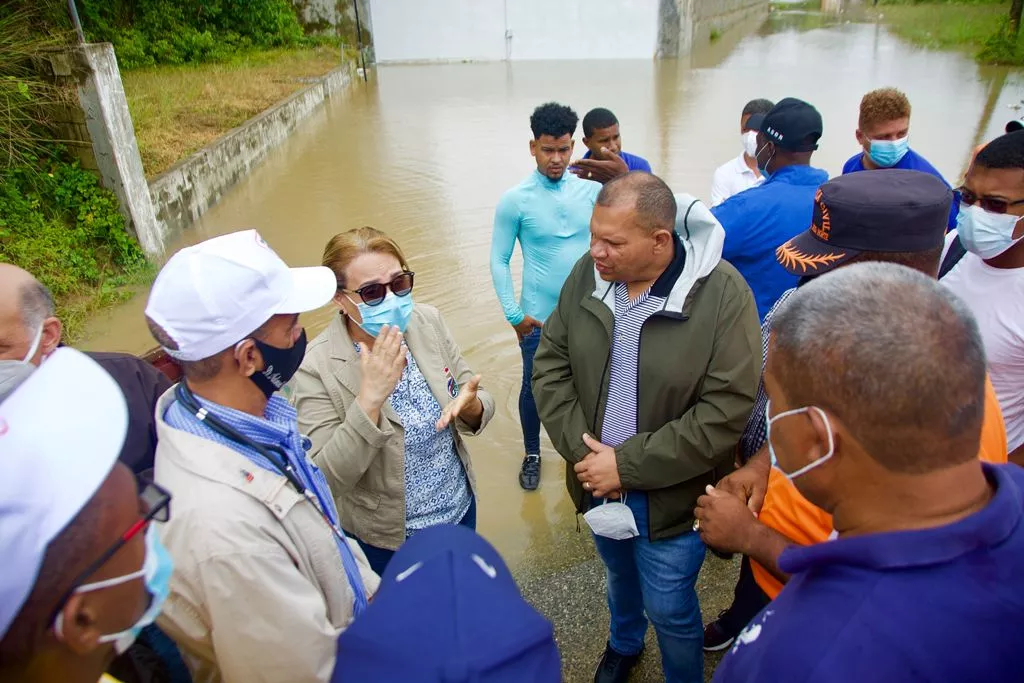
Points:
(424, 153)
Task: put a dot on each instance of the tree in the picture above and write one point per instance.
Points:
(1015, 10)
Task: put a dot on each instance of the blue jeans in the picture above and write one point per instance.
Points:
(379, 557)
(527, 406)
(656, 580)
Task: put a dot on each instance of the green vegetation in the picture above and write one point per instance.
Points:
(55, 220)
(179, 109)
(149, 32)
(979, 27)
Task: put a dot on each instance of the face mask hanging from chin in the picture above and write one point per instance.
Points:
(612, 520)
(14, 372)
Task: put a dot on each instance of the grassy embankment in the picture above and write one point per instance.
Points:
(178, 109)
(977, 27)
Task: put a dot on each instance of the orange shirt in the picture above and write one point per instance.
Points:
(796, 518)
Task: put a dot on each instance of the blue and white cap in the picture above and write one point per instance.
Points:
(61, 432)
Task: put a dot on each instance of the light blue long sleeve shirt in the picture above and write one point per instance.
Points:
(551, 221)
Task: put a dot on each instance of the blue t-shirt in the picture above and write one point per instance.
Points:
(941, 604)
(759, 220)
(551, 221)
(634, 162)
(911, 161)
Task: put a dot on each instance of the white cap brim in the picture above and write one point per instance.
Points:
(61, 432)
(312, 288)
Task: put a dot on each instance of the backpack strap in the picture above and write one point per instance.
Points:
(953, 255)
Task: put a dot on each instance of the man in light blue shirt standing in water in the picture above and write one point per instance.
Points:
(549, 214)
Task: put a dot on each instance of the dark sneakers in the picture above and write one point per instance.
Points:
(716, 638)
(529, 474)
(615, 668)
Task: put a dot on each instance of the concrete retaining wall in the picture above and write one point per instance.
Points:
(186, 190)
(686, 23)
(99, 131)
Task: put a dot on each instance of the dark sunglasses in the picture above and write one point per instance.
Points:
(374, 293)
(156, 502)
(968, 198)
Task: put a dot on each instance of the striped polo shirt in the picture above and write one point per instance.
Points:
(620, 411)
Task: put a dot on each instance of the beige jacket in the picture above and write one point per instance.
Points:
(365, 462)
(259, 593)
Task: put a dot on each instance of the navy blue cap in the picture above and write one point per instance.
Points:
(793, 125)
(884, 210)
(448, 611)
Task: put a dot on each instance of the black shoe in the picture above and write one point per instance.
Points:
(717, 638)
(615, 668)
(529, 474)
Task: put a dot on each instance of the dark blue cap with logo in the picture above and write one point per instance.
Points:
(448, 611)
(884, 210)
(793, 125)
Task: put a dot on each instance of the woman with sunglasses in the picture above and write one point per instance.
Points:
(386, 397)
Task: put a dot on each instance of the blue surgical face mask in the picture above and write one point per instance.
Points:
(156, 570)
(985, 233)
(888, 153)
(393, 310)
(771, 449)
(764, 168)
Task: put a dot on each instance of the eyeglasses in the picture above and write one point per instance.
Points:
(373, 294)
(968, 198)
(156, 503)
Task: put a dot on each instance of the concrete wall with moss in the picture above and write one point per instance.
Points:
(335, 17)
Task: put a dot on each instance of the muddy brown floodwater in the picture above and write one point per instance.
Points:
(424, 153)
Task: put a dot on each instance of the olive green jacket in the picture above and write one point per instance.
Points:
(699, 365)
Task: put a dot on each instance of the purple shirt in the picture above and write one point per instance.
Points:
(634, 162)
(943, 604)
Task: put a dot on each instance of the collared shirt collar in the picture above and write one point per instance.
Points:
(742, 168)
(903, 549)
(548, 182)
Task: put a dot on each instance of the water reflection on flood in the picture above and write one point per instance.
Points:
(424, 152)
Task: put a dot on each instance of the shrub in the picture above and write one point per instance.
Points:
(146, 32)
(59, 224)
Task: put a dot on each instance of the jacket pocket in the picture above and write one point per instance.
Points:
(364, 498)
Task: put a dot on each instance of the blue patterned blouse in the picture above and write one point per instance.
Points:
(436, 488)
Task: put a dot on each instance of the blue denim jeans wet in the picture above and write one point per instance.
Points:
(656, 580)
(527, 407)
(379, 557)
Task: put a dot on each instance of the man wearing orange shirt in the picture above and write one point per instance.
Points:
(895, 216)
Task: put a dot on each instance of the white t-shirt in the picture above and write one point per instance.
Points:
(731, 178)
(996, 297)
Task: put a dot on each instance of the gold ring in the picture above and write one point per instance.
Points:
(696, 525)
(586, 485)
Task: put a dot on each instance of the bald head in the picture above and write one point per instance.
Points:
(652, 199)
(894, 355)
(26, 305)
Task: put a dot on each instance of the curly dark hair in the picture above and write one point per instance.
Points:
(553, 119)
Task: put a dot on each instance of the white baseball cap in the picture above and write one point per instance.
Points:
(210, 296)
(61, 432)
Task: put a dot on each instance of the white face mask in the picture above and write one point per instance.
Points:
(985, 233)
(771, 449)
(612, 520)
(14, 372)
(750, 143)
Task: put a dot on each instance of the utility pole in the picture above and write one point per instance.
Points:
(73, 11)
(359, 36)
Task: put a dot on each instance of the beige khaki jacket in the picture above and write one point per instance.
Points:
(259, 593)
(365, 463)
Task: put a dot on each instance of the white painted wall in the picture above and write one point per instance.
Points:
(452, 30)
